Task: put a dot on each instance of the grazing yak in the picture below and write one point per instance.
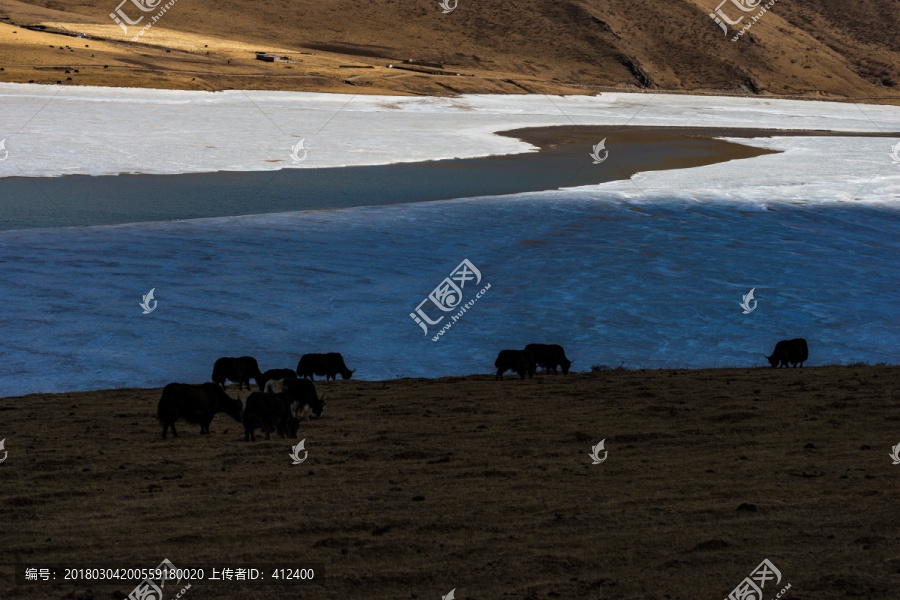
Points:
(305, 400)
(269, 412)
(789, 351)
(329, 365)
(520, 361)
(273, 374)
(549, 356)
(195, 404)
(239, 370)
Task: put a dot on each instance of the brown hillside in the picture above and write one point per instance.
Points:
(812, 48)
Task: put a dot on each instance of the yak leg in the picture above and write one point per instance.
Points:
(166, 428)
(174, 433)
(499, 375)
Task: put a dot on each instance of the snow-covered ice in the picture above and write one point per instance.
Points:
(648, 271)
(52, 130)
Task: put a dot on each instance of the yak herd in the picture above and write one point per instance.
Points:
(286, 396)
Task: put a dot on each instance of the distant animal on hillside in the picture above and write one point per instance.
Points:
(520, 361)
(270, 413)
(276, 374)
(195, 404)
(238, 370)
(549, 356)
(329, 365)
(789, 351)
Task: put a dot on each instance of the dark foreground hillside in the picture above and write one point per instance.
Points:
(415, 487)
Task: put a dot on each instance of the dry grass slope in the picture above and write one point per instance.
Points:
(414, 487)
(816, 49)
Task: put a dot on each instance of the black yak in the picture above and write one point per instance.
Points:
(789, 351)
(520, 361)
(273, 374)
(549, 356)
(194, 404)
(329, 365)
(239, 370)
(269, 412)
(305, 400)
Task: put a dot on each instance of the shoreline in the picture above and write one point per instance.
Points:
(561, 161)
(509, 377)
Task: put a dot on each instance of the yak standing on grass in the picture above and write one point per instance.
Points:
(549, 356)
(275, 374)
(304, 399)
(269, 412)
(789, 351)
(238, 370)
(520, 361)
(329, 365)
(195, 404)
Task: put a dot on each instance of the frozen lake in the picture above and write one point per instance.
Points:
(647, 284)
(646, 271)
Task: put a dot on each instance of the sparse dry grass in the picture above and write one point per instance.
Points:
(512, 506)
(820, 49)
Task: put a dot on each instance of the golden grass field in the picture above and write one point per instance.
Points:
(414, 487)
(819, 49)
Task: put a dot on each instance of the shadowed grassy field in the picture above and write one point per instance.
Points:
(415, 487)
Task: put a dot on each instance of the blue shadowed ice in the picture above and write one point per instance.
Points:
(647, 284)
